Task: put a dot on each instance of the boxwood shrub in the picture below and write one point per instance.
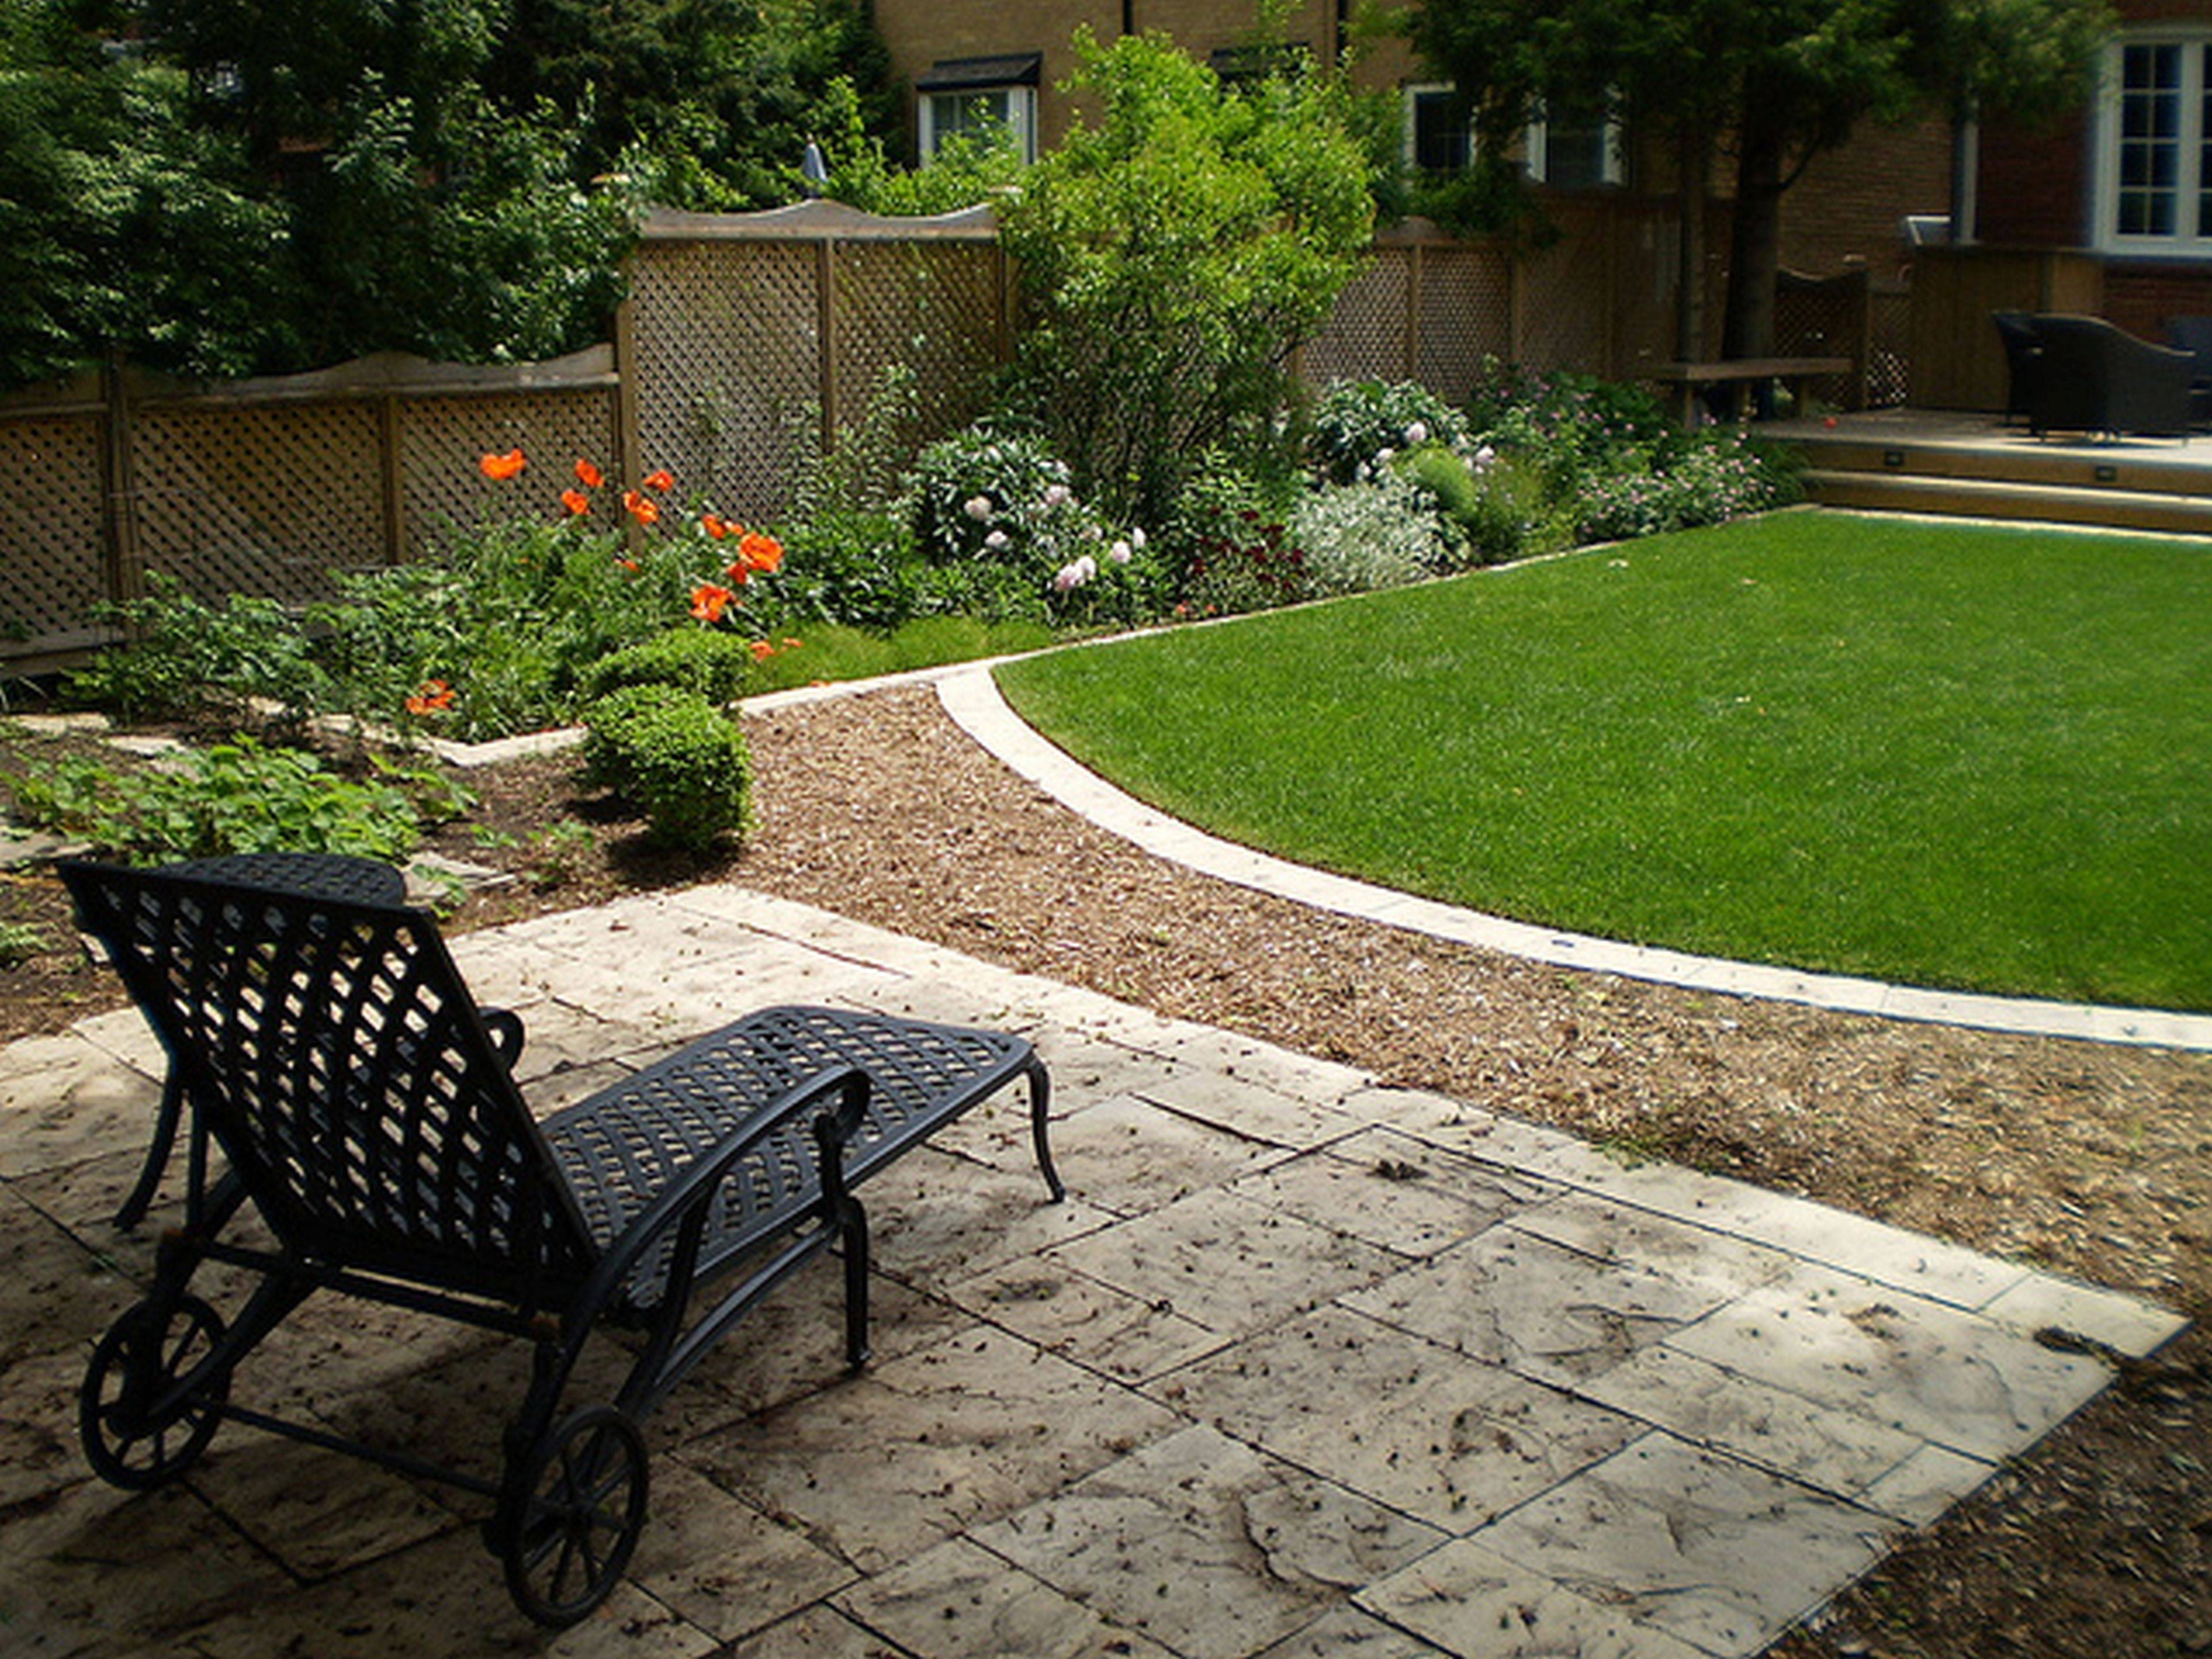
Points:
(675, 756)
(706, 661)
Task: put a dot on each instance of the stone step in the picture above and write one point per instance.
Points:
(2167, 512)
(2160, 468)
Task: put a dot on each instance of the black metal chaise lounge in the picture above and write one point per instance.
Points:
(366, 1110)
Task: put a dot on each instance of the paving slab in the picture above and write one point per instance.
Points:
(1454, 1445)
(1304, 1365)
(1207, 1547)
(1724, 1556)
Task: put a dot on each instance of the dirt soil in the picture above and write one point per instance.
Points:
(2092, 1161)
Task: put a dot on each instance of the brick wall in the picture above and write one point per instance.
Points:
(1847, 210)
(2033, 187)
(923, 33)
(2140, 298)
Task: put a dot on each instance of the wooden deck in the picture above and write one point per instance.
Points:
(1966, 465)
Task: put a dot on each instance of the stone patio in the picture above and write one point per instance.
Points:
(1304, 1365)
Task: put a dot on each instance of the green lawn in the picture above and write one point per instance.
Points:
(1941, 754)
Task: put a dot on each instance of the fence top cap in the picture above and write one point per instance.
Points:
(814, 222)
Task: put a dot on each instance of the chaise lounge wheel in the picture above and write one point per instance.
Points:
(582, 1495)
(136, 1434)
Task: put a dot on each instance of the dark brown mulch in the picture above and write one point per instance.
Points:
(2092, 1161)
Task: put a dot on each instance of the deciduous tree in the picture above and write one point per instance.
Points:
(1172, 252)
(1775, 83)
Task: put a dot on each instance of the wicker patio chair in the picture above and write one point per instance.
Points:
(2023, 352)
(366, 1110)
(2194, 336)
(2098, 379)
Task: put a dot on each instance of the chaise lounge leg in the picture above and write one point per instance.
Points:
(853, 1244)
(1040, 1127)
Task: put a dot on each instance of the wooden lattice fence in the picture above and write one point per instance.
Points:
(259, 487)
(748, 341)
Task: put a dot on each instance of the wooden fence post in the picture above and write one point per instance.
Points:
(825, 291)
(623, 441)
(393, 480)
(126, 574)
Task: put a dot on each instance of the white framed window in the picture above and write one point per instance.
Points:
(1439, 131)
(977, 96)
(1574, 152)
(1566, 154)
(2154, 174)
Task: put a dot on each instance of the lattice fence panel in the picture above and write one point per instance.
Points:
(1465, 315)
(51, 569)
(442, 438)
(265, 500)
(727, 365)
(1365, 337)
(1889, 354)
(1822, 319)
(1565, 304)
(933, 307)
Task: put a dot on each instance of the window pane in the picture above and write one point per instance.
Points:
(1440, 132)
(2150, 156)
(975, 113)
(1574, 154)
(2203, 61)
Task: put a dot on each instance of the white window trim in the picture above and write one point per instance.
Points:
(2106, 236)
(1536, 150)
(1021, 107)
(1534, 144)
(1410, 95)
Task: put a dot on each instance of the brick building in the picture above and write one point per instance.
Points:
(966, 59)
(2124, 183)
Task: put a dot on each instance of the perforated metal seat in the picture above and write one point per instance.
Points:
(365, 1107)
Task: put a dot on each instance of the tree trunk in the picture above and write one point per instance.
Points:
(1694, 153)
(1754, 240)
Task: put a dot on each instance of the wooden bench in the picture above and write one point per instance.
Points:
(1686, 381)
(365, 1108)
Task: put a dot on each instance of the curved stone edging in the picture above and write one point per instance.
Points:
(970, 695)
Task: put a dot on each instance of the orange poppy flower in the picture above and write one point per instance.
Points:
(761, 650)
(761, 553)
(502, 466)
(576, 501)
(740, 573)
(589, 476)
(708, 602)
(643, 511)
(431, 697)
(793, 645)
(660, 480)
(714, 527)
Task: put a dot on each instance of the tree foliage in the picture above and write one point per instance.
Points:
(1171, 252)
(220, 187)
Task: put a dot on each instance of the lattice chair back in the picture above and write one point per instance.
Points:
(346, 1072)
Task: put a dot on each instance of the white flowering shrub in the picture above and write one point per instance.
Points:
(1360, 425)
(1382, 532)
(1002, 504)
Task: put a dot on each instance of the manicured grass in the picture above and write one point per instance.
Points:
(1941, 754)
